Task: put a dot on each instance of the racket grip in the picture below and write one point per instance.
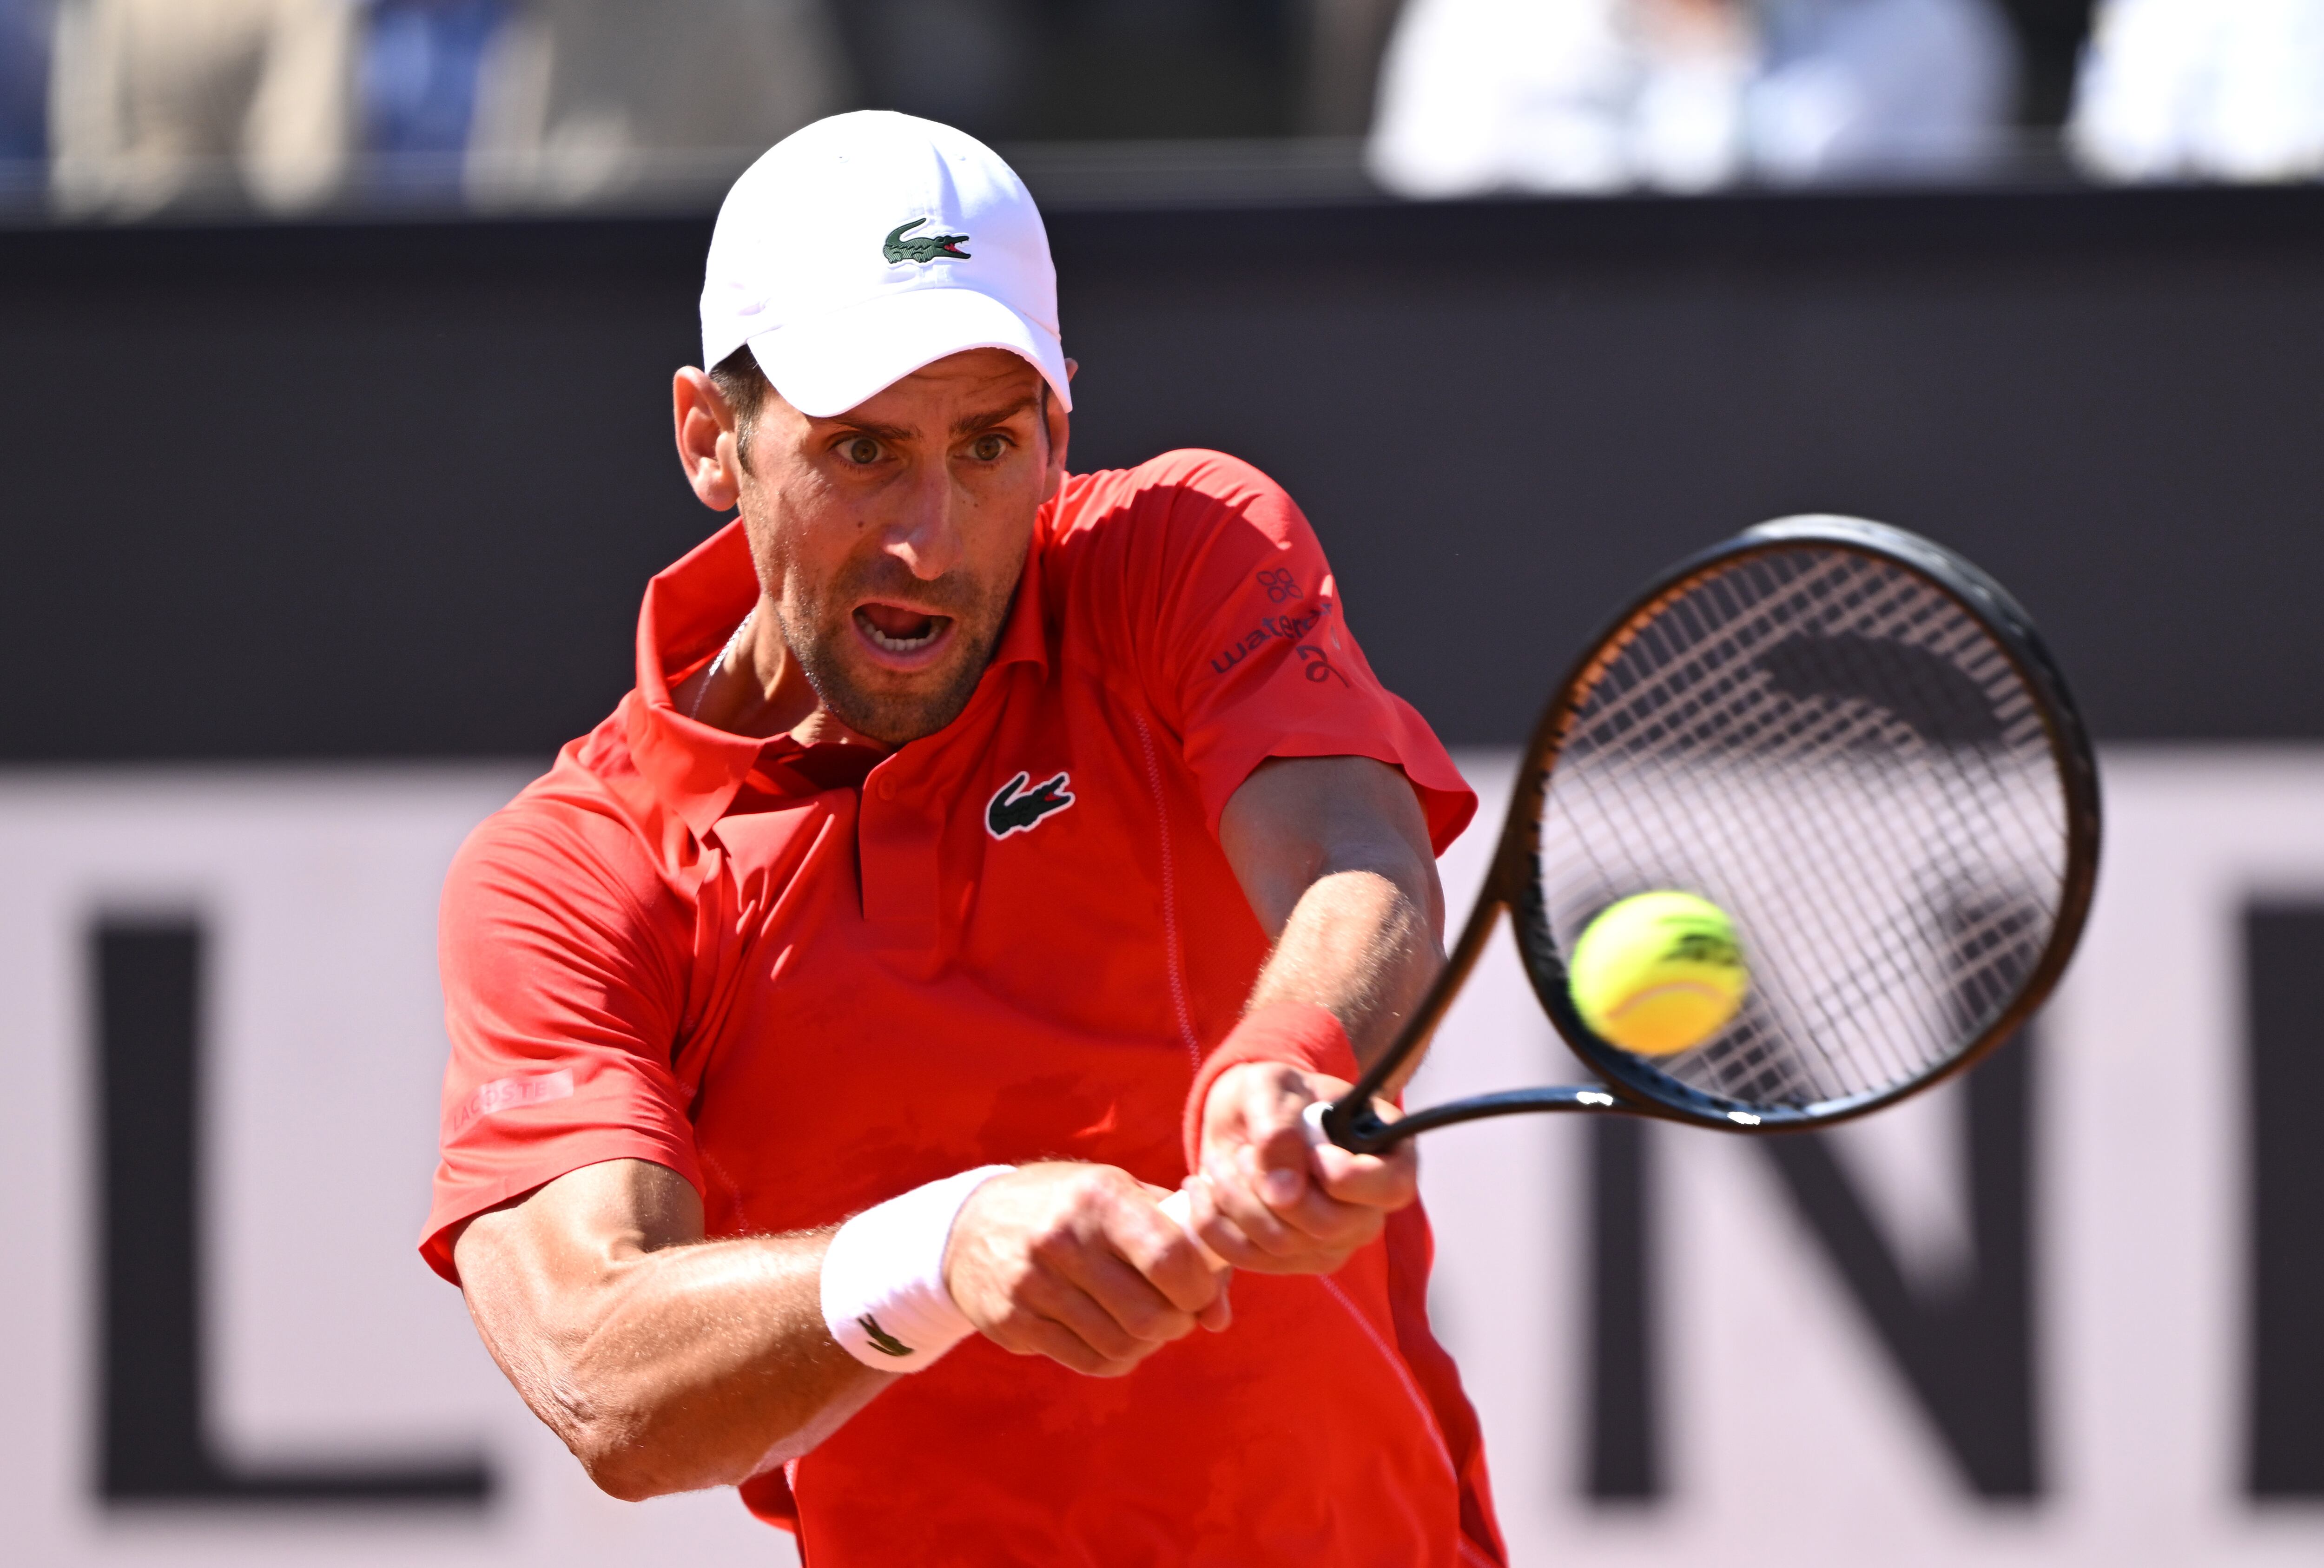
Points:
(1180, 1208)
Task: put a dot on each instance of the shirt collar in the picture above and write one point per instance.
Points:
(1025, 640)
(691, 608)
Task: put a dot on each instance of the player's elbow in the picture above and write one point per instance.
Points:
(634, 1453)
(629, 1476)
(626, 1461)
(624, 1452)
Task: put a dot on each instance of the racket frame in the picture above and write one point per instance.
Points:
(1632, 1086)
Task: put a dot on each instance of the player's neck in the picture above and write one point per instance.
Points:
(755, 687)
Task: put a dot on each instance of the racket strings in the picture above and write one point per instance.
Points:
(1832, 748)
(1748, 1051)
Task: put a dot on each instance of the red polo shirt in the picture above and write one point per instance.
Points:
(808, 979)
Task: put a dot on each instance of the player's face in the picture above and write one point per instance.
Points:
(892, 536)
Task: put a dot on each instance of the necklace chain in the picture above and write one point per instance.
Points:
(694, 709)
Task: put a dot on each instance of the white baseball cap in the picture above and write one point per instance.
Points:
(863, 246)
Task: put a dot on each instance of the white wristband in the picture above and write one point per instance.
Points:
(883, 1287)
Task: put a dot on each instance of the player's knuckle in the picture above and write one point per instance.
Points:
(1146, 1321)
(1261, 1225)
(1041, 1296)
(1017, 1325)
(1054, 1243)
(1068, 1351)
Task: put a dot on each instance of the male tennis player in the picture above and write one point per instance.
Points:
(982, 850)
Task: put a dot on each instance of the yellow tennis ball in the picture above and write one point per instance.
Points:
(1658, 973)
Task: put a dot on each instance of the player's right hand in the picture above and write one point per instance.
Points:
(1074, 1262)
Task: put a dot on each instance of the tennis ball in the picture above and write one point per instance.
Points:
(1658, 973)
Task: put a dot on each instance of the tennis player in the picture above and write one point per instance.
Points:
(985, 851)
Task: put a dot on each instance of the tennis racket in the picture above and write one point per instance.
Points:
(1853, 741)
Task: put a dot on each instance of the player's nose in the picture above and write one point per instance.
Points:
(925, 536)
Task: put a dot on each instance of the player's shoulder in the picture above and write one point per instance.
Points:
(1133, 553)
(1165, 517)
(1188, 484)
(578, 837)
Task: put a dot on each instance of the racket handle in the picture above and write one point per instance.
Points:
(1180, 1207)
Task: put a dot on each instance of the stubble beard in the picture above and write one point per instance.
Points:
(817, 628)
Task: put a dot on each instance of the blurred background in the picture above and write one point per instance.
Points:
(128, 109)
(335, 345)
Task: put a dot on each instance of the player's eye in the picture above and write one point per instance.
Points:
(988, 447)
(860, 449)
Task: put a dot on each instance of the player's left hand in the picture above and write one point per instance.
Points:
(1269, 1199)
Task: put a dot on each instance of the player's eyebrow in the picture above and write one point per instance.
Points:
(869, 427)
(969, 424)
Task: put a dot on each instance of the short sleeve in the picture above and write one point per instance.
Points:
(1251, 650)
(563, 963)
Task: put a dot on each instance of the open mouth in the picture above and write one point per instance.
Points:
(896, 629)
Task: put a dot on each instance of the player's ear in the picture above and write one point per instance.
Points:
(1059, 431)
(708, 448)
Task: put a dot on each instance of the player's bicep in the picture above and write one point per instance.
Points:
(1296, 820)
(563, 993)
(1247, 654)
(1243, 588)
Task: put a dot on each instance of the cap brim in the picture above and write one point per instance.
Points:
(825, 366)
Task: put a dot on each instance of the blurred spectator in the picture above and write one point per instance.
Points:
(1101, 70)
(418, 87)
(2222, 89)
(581, 100)
(154, 101)
(971, 63)
(1344, 41)
(1594, 95)
(2051, 36)
(24, 79)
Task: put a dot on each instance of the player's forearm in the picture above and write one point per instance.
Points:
(1360, 942)
(1335, 857)
(669, 1369)
(710, 1363)
(1361, 945)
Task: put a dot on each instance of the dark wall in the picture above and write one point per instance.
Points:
(376, 491)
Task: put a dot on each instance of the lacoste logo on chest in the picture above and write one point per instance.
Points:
(1016, 809)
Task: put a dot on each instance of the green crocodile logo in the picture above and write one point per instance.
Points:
(886, 1343)
(925, 247)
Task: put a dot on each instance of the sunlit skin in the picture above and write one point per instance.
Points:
(887, 543)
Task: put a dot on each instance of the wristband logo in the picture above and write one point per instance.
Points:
(886, 1343)
(1016, 809)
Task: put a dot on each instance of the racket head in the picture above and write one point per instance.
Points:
(1855, 743)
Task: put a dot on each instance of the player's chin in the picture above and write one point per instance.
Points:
(893, 708)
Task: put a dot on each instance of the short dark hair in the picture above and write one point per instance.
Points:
(743, 385)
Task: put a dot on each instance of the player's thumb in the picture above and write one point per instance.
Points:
(1279, 1150)
(1388, 1180)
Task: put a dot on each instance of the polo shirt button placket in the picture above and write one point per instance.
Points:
(897, 851)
